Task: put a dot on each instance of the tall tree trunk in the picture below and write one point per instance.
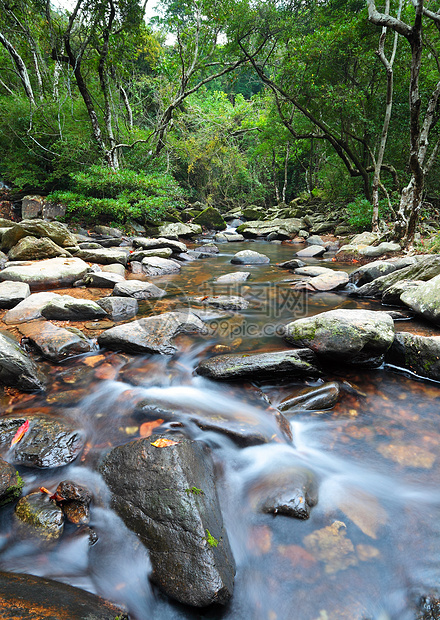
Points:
(20, 66)
(285, 171)
(274, 177)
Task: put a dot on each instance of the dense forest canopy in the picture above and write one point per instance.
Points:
(228, 102)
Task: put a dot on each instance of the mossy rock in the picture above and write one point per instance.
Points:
(254, 213)
(210, 218)
(11, 483)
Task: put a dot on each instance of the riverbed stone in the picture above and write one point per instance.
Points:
(17, 369)
(119, 308)
(75, 501)
(49, 442)
(36, 598)
(419, 354)
(331, 546)
(312, 271)
(167, 496)
(178, 229)
(224, 302)
(293, 263)
(374, 251)
(108, 231)
(139, 255)
(103, 256)
(68, 308)
(323, 396)
(138, 289)
(311, 251)
(424, 299)
(102, 279)
(11, 483)
(55, 343)
(28, 309)
(233, 278)
(211, 219)
(33, 248)
(39, 516)
(154, 266)
(12, 293)
(114, 268)
(249, 257)
(284, 228)
(236, 366)
(371, 271)
(391, 296)
(60, 272)
(152, 334)
(55, 231)
(359, 337)
(331, 281)
(149, 243)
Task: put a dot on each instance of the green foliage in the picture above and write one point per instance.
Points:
(212, 542)
(194, 491)
(360, 213)
(108, 196)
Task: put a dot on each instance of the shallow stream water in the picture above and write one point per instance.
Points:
(372, 544)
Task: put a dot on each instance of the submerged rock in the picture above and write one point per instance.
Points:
(39, 516)
(232, 278)
(359, 337)
(152, 334)
(331, 546)
(323, 396)
(225, 302)
(298, 363)
(419, 354)
(17, 369)
(167, 496)
(49, 441)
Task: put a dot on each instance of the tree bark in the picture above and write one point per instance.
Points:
(20, 66)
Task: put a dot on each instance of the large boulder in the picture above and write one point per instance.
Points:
(284, 228)
(249, 257)
(152, 334)
(55, 231)
(33, 248)
(178, 229)
(17, 369)
(418, 354)
(359, 337)
(330, 281)
(55, 343)
(147, 243)
(378, 268)
(234, 366)
(52, 272)
(36, 598)
(49, 441)
(224, 302)
(392, 295)
(68, 308)
(119, 308)
(167, 496)
(425, 299)
(210, 218)
(28, 309)
(139, 255)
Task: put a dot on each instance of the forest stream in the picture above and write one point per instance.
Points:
(371, 547)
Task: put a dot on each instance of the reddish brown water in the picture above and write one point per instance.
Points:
(372, 543)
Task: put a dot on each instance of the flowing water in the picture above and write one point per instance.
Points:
(372, 544)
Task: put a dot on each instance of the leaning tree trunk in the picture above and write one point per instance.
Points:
(409, 210)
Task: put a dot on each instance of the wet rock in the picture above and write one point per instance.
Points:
(177, 229)
(168, 497)
(391, 297)
(10, 483)
(311, 251)
(359, 337)
(429, 608)
(210, 218)
(33, 248)
(284, 228)
(293, 263)
(138, 290)
(114, 268)
(39, 516)
(102, 279)
(419, 354)
(147, 243)
(291, 492)
(17, 369)
(232, 278)
(331, 546)
(108, 231)
(119, 308)
(75, 501)
(425, 268)
(371, 271)
(35, 598)
(332, 281)
(323, 396)
(55, 343)
(152, 334)
(379, 250)
(28, 309)
(208, 247)
(198, 254)
(139, 255)
(297, 363)
(225, 302)
(228, 237)
(424, 299)
(312, 271)
(103, 256)
(12, 293)
(154, 266)
(49, 442)
(249, 257)
(67, 308)
(47, 273)
(55, 231)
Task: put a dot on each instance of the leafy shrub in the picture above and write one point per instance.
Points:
(360, 213)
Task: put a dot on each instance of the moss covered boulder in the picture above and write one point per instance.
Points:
(39, 516)
(425, 299)
(10, 483)
(418, 354)
(210, 218)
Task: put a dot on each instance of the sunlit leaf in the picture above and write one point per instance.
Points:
(146, 429)
(163, 443)
(20, 433)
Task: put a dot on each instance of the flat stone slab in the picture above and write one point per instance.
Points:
(36, 598)
(17, 369)
(148, 243)
(177, 229)
(328, 281)
(12, 293)
(312, 271)
(249, 257)
(55, 343)
(104, 256)
(55, 231)
(103, 280)
(52, 272)
(311, 251)
(158, 252)
(67, 308)
(225, 302)
(154, 266)
(233, 278)
(138, 290)
(167, 495)
(152, 334)
(299, 363)
(28, 309)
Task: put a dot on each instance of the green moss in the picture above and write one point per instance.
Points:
(194, 491)
(14, 491)
(212, 542)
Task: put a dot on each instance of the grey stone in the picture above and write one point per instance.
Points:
(12, 293)
(55, 343)
(139, 255)
(315, 240)
(311, 251)
(108, 231)
(293, 263)
(17, 369)
(147, 243)
(28, 309)
(225, 302)
(232, 278)
(425, 299)
(32, 207)
(55, 231)
(119, 308)
(33, 248)
(419, 354)
(371, 271)
(168, 497)
(102, 279)
(391, 297)
(67, 308)
(249, 257)
(380, 250)
(153, 266)
(138, 290)
(46, 273)
(332, 281)
(312, 271)
(178, 229)
(103, 256)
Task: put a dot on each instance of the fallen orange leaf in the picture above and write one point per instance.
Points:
(44, 490)
(163, 443)
(20, 433)
(146, 429)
